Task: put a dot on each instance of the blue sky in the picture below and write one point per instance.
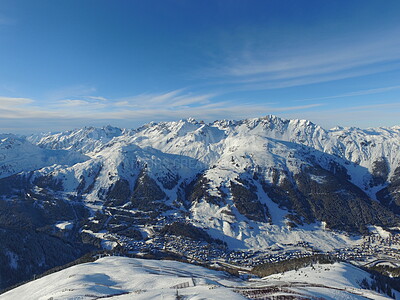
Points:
(67, 64)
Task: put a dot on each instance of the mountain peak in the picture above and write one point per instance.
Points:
(191, 120)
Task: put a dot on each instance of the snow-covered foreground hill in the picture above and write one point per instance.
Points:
(324, 281)
(128, 278)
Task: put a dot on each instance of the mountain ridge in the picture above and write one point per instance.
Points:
(244, 185)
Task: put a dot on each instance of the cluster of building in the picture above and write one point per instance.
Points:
(372, 247)
(204, 252)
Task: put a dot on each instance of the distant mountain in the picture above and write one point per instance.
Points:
(83, 140)
(17, 155)
(244, 184)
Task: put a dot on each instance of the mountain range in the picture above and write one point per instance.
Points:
(248, 184)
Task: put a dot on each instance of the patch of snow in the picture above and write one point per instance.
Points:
(319, 179)
(329, 281)
(65, 225)
(379, 231)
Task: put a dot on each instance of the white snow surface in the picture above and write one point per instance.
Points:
(131, 278)
(83, 140)
(329, 281)
(259, 139)
(17, 155)
(64, 225)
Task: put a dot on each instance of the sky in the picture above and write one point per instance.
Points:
(73, 63)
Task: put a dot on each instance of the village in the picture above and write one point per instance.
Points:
(372, 248)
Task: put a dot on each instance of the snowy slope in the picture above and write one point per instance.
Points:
(124, 160)
(18, 154)
(129, 278)
(84, 140)
(329, 281)
(117, 161)
(207, 142)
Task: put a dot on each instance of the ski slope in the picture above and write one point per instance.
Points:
(124, 278)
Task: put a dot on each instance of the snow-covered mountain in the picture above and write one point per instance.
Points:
(245, 184)
(83, 140)
(17, 154)
(371, 149)
(129, 278)
(267, 170)
(287, 157)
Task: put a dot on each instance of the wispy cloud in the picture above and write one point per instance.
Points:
(372, 107)
(170, 105)
(97, 98)
(171, 99)
(69, 92)
(259, 67)
(10, 101)
(81, 104)
(355, 93)
(134, 112)
(265, 84)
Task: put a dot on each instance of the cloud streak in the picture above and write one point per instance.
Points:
(11, 102)
(259, 67)
(139, 109)
(355, 93)
(170, 105)
(75, 91)
(171, 99)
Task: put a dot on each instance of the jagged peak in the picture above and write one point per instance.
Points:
(147, 125)
(274, 118)
(303, 122)
(278, 120)
(192, 120)
(365, 131)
